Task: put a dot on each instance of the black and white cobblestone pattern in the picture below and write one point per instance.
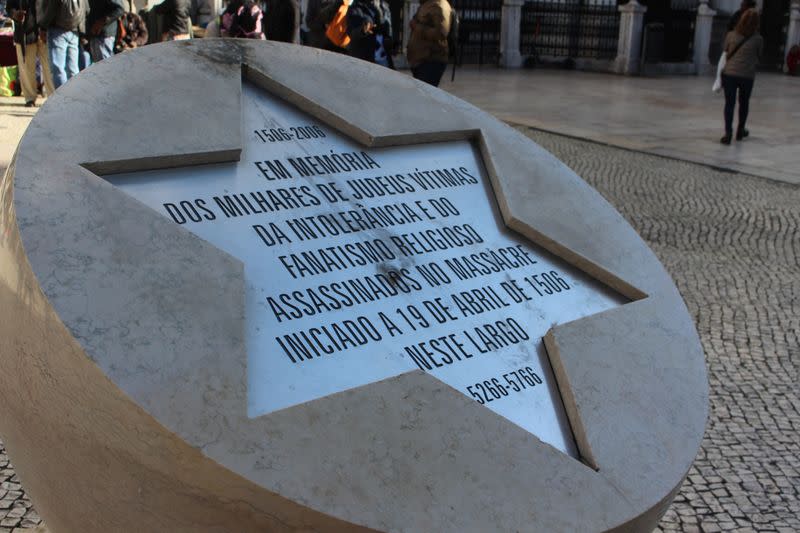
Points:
(16, 510)
(732, 245)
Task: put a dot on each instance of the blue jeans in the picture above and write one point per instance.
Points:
(62, 47)
(101, 48)
(84, 58)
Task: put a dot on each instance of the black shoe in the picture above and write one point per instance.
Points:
(741, 134)
(30, 104)
(726, 139)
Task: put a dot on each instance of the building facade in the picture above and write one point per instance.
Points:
(623, 36)
(628, 37)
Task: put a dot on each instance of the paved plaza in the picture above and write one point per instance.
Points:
(674, 116)
(731, 243)
(14, 118)
(729, 239)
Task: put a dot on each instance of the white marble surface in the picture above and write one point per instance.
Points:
(162, 312)
(438, 324)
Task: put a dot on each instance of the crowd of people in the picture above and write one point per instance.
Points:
(66, 36)
(58, 38)
(69, 35)
(359, 28)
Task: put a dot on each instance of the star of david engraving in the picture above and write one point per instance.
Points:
(363, 264)
(148, 318)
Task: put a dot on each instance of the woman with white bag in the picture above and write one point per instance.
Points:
(742, 53)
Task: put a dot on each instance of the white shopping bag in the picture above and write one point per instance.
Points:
(717, 87)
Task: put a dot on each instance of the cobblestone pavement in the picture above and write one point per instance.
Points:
(731, 242)
(16, 510)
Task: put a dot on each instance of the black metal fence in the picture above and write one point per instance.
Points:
(398, 24)
(479, 30)
(570, 28)
(774, 26)
(676, 19)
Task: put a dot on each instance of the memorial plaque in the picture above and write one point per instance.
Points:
(363, 264)
(299, 292)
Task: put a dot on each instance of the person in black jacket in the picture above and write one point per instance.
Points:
(29, 45)
(282, 21)
(319, 14)
(102, 26)
(369, 24)
(177, 23)
(316, 26)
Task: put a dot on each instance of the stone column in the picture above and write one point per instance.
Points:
(511, 19)
(793, 33)
(702, 38)
(629, 47)
(409, 10)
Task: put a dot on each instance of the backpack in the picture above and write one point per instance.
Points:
(336, 31)
(245, 20)
(70, 14)
(130, 28)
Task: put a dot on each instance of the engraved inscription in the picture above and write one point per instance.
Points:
(362, 264)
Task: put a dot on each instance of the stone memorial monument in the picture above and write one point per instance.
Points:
(251, 286)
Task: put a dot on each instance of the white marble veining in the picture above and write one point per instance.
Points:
(312, 330)
(162, 314)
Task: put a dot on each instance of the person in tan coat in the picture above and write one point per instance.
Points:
(427, 47)
(30, 46)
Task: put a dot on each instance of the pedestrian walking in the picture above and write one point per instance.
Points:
(177, 24)
(283, 21)
(102, 26)
(743, 48)
(64, 21)
(369, 25)
(242, 19)
(246, 22)
(30, 46)
(228, 14)
(320, 14)
(84, 52)
(315, 34)
(428, 46)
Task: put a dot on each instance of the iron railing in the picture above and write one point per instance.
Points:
(774, 27)
(479, 30)
(396, 9)
(677, 18)
(570, 28)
